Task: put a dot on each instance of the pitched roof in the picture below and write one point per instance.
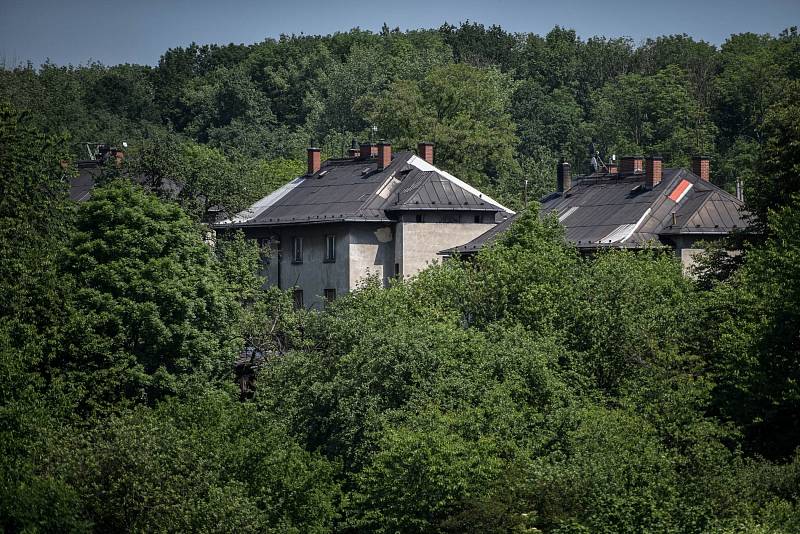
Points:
(619, 211)
(356, 190)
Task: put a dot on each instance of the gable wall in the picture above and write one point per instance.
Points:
(417, 244)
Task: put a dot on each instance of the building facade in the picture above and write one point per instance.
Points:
(375, 214)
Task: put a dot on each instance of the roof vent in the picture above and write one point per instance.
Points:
(323, 173)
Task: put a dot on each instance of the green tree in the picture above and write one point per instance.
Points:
(153, 308)
(463, 109)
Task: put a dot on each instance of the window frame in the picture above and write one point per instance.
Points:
(330, 248)
(297, 298)
(297, 246)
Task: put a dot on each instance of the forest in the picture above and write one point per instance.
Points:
(532, 389)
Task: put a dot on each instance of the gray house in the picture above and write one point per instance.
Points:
(376, 213)
(635, 205)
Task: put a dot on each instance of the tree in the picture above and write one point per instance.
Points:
(778, 176)
(651, 114)
(153, 308)
(463, 109)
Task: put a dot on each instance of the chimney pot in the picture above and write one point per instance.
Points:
(563, 176)
(314, 161)
(652, 171)
(425, 151)
(384, 155)
(701, 167)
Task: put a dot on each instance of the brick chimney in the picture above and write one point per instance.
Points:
(425, 151)
(384, 154)
(119, 156)
(612, 168)
(367, 150)
(701, 167)
(629, 164)
(563, 176)
(353, 153)
(314, 162)
(652, 171)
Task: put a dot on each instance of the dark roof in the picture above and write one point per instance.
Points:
(80, 187)
(619, 211)
(429, 190)
(356, 190)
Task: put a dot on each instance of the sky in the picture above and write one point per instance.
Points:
(79, 31)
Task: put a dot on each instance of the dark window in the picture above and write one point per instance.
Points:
(397, 270)
(298, 298)
(420, 218)
(477, 218)
(297, 250)
(330, 295)
(330, 248)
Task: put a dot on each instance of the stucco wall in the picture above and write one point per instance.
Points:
(417, 244)
(361, 249)
(314, 275)
(371, 252)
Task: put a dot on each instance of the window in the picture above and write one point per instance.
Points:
(330, 295)
(477, 218)
(330, 248)
(420, 218)
(297, 250)
(298, 298)
(397, 270)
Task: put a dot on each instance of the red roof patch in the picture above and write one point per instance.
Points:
(677, 193)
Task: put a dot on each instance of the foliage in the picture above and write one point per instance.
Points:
(152, 307)
(527, 389)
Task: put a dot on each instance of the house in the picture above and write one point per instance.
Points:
(375, 213)
(80, 187)
(635, 205)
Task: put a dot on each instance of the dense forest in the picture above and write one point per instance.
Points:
(530, 390)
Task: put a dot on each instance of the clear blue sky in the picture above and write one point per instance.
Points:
(140, 31)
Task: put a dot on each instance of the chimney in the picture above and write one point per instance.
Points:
(384, 155)
(612, 166)
(367, 150)
(563, 176)
(353, 153)
(700, 166)
(652, 171)
(314, 162)
(425, 151)
(630, 164)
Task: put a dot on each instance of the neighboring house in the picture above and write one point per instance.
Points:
(374, 213)
(80, 187)
(636, 205)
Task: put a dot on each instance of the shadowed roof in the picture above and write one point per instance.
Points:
(619, 211)
(356, 190)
